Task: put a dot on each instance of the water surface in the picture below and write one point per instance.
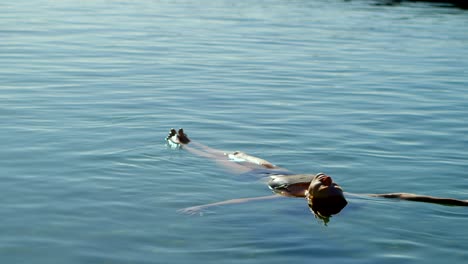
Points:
(373, 95)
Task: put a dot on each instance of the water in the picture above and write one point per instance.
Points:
(373, 95)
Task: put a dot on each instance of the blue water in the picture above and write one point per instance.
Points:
(373, 95)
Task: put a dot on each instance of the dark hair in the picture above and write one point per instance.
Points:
(329, 206)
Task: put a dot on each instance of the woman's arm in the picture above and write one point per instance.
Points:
(197, 209)
(422, 198)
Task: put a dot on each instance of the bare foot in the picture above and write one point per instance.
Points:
(183, 139)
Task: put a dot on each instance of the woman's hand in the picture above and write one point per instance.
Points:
(193, 210)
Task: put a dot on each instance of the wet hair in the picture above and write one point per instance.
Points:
(324, 208)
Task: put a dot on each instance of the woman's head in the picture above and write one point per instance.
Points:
(325, 198)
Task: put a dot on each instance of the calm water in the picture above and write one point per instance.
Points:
(373, 95)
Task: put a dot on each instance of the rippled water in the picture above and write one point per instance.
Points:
(373, 95)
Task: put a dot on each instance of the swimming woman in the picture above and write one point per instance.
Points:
(324, 197)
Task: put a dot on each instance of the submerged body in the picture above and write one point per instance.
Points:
(325, 197)
(291, 185)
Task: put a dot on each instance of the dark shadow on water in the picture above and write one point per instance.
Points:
(463, 4)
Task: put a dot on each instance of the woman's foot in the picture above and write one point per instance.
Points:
(182, 137)
(172, 133)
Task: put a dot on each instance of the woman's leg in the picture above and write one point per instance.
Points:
(218, 156)
(238, 162)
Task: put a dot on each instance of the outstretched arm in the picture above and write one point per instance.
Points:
(199, 208)
(423, 198)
